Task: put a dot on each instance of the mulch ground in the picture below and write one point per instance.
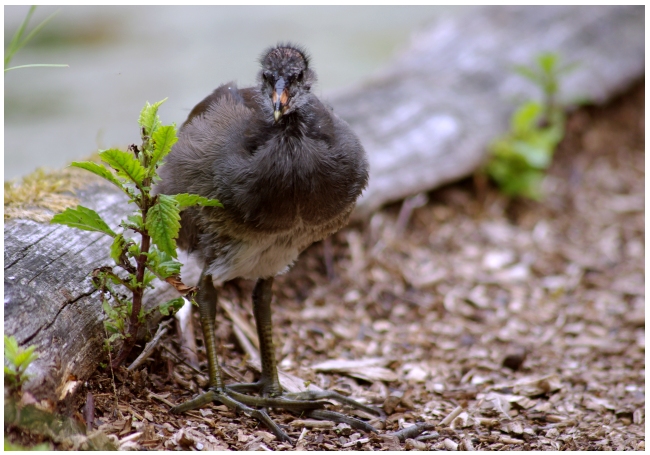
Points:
(504, 325)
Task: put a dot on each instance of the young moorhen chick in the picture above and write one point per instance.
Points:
(288, 172)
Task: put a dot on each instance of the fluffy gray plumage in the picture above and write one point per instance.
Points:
(284, 184)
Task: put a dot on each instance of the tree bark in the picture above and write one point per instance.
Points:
(424, 120)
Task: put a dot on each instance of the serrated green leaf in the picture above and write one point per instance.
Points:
(170, 268)
(25, 357)
(162, 264)
(163, 223)
(108, 309)
(117, 247)
(99, 170)
(136, 219)
(82, 218)
(110, 327)
(125, 164)
(164, 138)
(173, 306)
(187, 200)
(114, 278)
(114, 337)
(134, 250)
(9, 371)
(147, 278)
(11, 348)
(149, 119)
(133, 222)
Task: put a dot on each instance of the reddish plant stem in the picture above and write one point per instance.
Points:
(134, 321)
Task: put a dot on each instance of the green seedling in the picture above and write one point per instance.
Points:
(518, 160)
(17, 360)
(156, 220)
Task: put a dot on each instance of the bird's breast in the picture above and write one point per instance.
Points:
(288, 183)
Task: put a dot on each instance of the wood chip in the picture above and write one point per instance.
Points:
(452, 415)
(310, 423)
(413, 444)
(369, 369)
(450, 445)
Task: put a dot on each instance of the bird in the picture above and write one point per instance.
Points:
(288, 172)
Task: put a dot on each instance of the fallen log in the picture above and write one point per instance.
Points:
(425, 120)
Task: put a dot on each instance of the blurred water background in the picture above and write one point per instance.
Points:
(120, 57)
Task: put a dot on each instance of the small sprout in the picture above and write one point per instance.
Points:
(17, 360)
(519, 159)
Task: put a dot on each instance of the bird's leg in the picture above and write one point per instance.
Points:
(207, 301)
(269, 384)
(262, 295)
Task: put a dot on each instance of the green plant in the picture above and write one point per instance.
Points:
(17, 360)
(11, 447)
(18, 41)
(519, 159)
(156, 220)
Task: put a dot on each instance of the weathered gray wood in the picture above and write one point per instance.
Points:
(424, 120)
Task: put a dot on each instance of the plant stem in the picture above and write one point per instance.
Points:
(134, 322)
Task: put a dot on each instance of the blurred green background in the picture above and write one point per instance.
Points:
(120, 57)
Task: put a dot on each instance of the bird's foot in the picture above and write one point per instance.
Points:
(309, 402)
(246, 403)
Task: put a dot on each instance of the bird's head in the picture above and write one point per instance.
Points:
(285, 78)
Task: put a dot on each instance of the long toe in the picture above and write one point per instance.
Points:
(310, 395)
(323, 414)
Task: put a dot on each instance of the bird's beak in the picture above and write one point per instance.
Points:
(280, 99)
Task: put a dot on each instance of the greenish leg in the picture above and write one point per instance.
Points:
(268, 386)
(262, 295)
